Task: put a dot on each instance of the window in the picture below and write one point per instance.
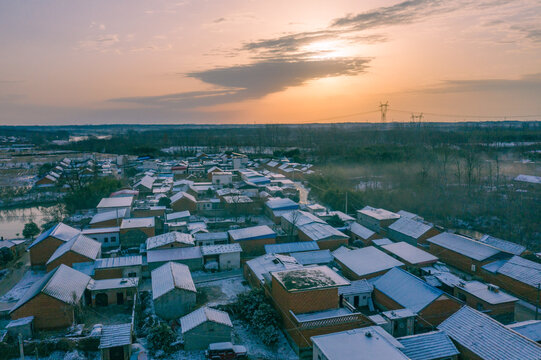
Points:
(113, 238)
(132, 274)
(480, 307)
(105, 239)
(461, 296)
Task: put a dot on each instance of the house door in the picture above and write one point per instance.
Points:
(356, 301)
(102, 299)
(119, 298)
(116, 353)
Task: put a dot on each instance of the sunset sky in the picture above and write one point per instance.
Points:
(296, 61)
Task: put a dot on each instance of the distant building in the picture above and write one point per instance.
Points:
(413, 232)
(183, 201)
(253, 239)
(410, 255)
(376, 219)
(357, 232)
(205, 326)
(225, 256)
(173, 290)
(190, 256)
(169, 240)
(114, 204)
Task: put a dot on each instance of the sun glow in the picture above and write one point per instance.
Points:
(328, 49)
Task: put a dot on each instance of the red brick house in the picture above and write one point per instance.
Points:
(253, 239)
(79, 249)
(182, 201)
(47, 242)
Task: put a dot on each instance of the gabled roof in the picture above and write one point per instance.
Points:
(108, 215)
(409, 227)
(252, 233)
(407, 289)
(356, 287)
(409, 253)
(169, 238)
(63, 283)
(221, 235)
(520, 269)
(488, 338)
(80, 244)
(278, 203)
(361, 231)
(171, 276)
(503, 245)
(365, 261)
(299, 218)
(181, 195)
(178, 215)
(286, 248)
(428, 346)
(60, 231)
(174, 254)
(464, 246)
(112, 202)
(202, 315)
(115, 335)
(146, 181)
(321, 231)
(120, 261)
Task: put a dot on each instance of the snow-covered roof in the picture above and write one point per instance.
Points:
(529, 328)
(286, 248)
(299, 218)
(360, 231)
(313, 257)
(169, 238)
(503, 245)
(103, 230)
(428, 346)
(483, 291)
(215, 236)
(406, 289)
(523, 270)
(366, 261)
(220, 249)
(409, 253)
(356, 287)
(108, 215)
(488, 338)
(381, 242)
(464, 246)
(409, 227)
(378, 214)
(134, 223)
(60, 231)
(252, 233)
(318, 231)
(80, 244)
(121, 261)
(171, 276)
(62, 283)
(146, 181)
(181, 195)
(112, 202)
(356, 344)
(115, 335)
(178, 215)
(265, 264)
(174, 254)
(116, 283)
(278, 203)
(309, 278)
(528, 178)
(202, 315)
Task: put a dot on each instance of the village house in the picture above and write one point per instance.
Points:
(190, 256)
(326, 236)
(376, 219)
(364, 263)
(410, 255)
(211, 238)
(114, 204)
(479, 337)
(225, 256)
(366, 343)
(253, 239)
(463, 253)
(112, 291)
(118, 267)
(257, 270)
(434, 345)
(308, 303)
(135, 231)
(316, 257)
(519, 276)
(144, 186)
(109, 237)
(503, 245)
(115, 341)
(239, 205)
(358, 293)
(488, 299)
(183, 201)
(178, 216)
(205, 326)
(222, 178)
(291, 247)
(292, 220)
(398, 289)
(47, 181)
(110, 218)
(379, 243)
(48, 241)
(52, 299)
(357, 232)
(411, 231)
(173, 290)
(147, 210)
(169, 240)
(276, 207)
(79, 249)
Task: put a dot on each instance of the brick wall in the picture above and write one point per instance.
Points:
(41, 252)
(49, 312)
(304, 301)
(254, 247)
(68, 259)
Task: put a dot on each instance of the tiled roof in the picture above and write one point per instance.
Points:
(488, 338)
(174, 254)
(171, 276)
(60, 231)
(80, 244)
(201, 315)
(368, 260)
(428, 346)
(409, 253)
(121, 261)
(318, 231)
(108, 215)
(520, 269)
(356, 287)
(169, 238)
(220, 249)
(360, 230)
(464, 246)
(313, 257)
(115, 335)
(503, 245)
(286, 248)
(409, 227)
(251, 233)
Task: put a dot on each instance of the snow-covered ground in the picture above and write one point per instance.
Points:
(17, 291)
(242, 335)
(229, 289)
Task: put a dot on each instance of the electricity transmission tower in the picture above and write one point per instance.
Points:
(383, 108)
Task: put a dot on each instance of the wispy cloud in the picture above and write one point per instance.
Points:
(528, 83)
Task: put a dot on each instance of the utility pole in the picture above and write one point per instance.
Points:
(383, 108)
(21, 347)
